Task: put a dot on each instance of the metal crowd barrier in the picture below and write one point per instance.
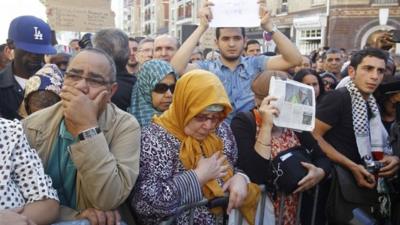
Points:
(236, 218)
(78, 222)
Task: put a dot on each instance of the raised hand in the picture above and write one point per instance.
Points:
(268, 111)
(205, 14)
(265, 16)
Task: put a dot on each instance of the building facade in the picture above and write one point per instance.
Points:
(154, 15)
(128, 11)
(310, 24)
(183, 14)
(336, 23)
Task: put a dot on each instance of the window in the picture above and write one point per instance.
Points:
(384, 2)
(310, 34)
(181, 13)
(188, 10)
(284, 7)
(318, 2)
(308, 40)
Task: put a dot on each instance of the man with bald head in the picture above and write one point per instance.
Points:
(87, 142)
(165, 47)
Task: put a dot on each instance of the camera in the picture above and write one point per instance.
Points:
(395, 35)
(373, 167)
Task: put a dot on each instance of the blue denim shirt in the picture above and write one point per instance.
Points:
(237, 83)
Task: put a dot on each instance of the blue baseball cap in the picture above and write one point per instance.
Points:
(31, 34)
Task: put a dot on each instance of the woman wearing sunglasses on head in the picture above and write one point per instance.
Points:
(152, 93)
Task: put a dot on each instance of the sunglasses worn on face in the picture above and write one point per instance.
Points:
(329, 84)
(161, 88)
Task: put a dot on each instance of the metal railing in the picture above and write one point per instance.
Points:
(78, 222)
(237, 218)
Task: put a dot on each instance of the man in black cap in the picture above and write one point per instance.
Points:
(31, 39)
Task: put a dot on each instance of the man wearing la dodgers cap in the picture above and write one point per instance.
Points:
(31, 39)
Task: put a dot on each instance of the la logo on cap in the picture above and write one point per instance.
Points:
(37, 35)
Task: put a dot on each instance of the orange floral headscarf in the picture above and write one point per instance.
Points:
(194, 92)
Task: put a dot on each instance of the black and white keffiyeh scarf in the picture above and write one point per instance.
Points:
(371, 135)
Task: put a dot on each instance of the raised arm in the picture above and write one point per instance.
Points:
(290, 55)
(180, 61)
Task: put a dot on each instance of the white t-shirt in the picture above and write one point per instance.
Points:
(21, 81)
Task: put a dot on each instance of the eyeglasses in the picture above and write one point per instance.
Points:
(93, 82)
(203, 118)
(161, 88)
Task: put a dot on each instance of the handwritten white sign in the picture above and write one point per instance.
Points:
(235, 13)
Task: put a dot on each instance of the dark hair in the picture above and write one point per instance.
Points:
(10, 43)
(250, 42)
(299, 76)
(330, 51)
(40, 100)
(133, 39)
(218, 31)
(116, 43)
(86, 41)
(358, 57)
(2, 47)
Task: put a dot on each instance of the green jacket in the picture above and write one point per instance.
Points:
(107, 164)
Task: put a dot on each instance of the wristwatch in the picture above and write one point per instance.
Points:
(89, 133)
(273, 29)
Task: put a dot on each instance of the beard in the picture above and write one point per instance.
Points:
(230, 58)
(130, 64)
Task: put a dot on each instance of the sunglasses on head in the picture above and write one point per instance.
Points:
(161, 88)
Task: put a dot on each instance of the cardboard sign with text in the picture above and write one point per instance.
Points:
(80, 16)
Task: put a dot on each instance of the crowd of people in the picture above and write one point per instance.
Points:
(112, 128)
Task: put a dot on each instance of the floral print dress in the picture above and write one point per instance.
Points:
(287, 139)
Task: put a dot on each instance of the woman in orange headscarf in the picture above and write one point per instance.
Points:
(188, 154)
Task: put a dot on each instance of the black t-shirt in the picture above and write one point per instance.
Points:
(335, 109)
(258, 169)
(122, 97)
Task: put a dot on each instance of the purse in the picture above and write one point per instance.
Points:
(287, 169)
(345, 196)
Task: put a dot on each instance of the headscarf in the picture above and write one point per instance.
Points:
(48, 78)
(150, 74)
(195, 92)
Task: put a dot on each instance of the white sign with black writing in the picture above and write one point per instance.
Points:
(235, 13)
